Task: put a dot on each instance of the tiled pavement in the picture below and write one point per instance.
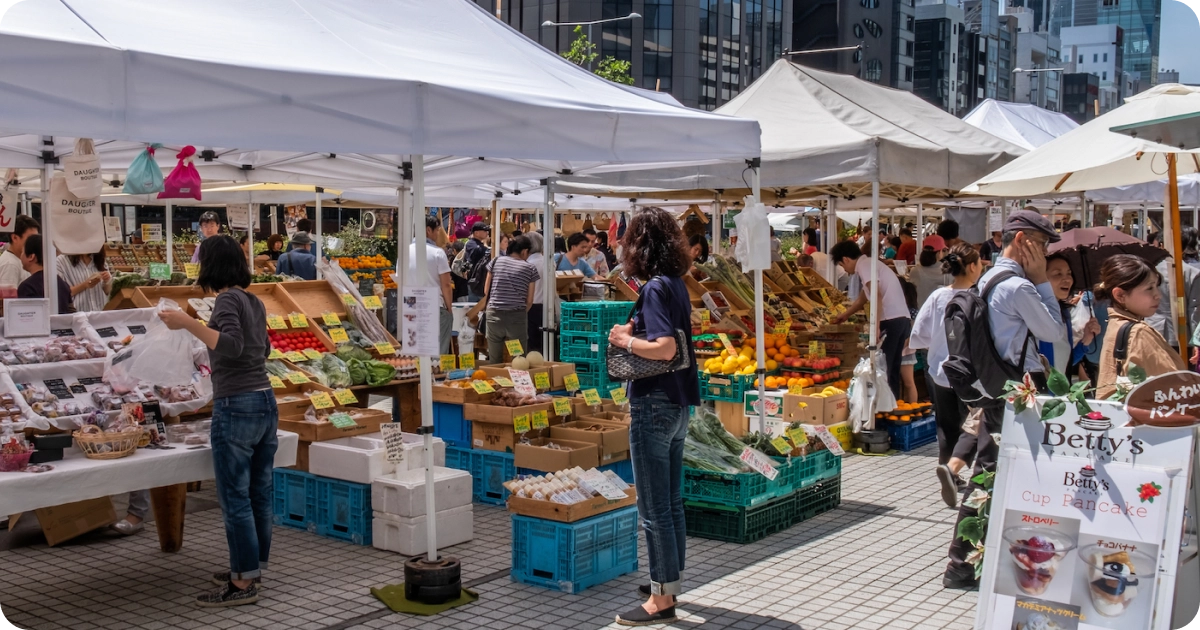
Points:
(875, 562)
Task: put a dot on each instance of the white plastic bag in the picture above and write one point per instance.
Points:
(161, 357)
(869, 393)
(753, 248)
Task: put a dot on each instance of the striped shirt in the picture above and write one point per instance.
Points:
(511, 278)
(89, 299)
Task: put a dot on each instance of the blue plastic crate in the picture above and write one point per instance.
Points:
(906, 436)
(295, 495)
(624, 470)
(593, 317)
(580, 346)
(344, 510)
(448, 424)
(489, 470)
(571, 557)
(733, 489)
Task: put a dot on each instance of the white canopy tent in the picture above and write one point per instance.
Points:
(400, 78)
(1022, 124)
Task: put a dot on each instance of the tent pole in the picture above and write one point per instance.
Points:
(759, 318)
(274, 219)
(873, 301)
(316, 241)
(170, 236)
(250, 236)
(1178, 310)
(831, 222)
(549, 280)
(424, 368)
(1083, 210)
(715, 228)
(920, 235)
(50, 277)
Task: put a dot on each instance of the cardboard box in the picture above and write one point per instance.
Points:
(620, 417)
(489, 436)
(552, 511)
(504, 415)
(367, 422)
(612, 439)
(64, 522)
(774, 404)
(459, 396)
(844, 433)
(570, 454)
(733, 417)
(829, 410)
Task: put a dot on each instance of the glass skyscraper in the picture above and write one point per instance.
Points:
(1140, 21)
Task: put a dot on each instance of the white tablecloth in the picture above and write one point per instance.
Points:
(77, 478)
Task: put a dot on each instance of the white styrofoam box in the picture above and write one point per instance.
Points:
(359, 459)
(414, 451)
(406, 535)
(403, 493)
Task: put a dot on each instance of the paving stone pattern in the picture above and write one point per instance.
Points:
(875, 562)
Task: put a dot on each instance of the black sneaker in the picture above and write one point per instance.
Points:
(645, 590)
(223, 578)
(228, 595)
(639, 617)
(960, 583)
(950, 487)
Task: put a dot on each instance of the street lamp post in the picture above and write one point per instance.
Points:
(631, 16)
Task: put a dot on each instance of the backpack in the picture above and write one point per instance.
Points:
(972, 363)
(478, 278)
(461, 267)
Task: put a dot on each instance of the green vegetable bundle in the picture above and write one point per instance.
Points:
(370, 372)
(336, 370)
(704, 457)
(706, 428)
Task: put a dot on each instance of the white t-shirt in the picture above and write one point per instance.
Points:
(891, 296)
(839, 280)
(436, 264)
(11, 271)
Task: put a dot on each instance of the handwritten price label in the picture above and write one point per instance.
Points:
(782, 327)
(540, 421)
(191, 270)
(759, 463)
(312, 354)
(342, 421)
(338, 335)
(372, 302)
(541, 380)
(276, 322)
(591, 397)
(466, 361)
(385, 349)
(349, 300)
(562, 407)
(276, 382)
(275, 354)
(618, 396)
(798, 436)
(521, 423)
(727, 343)
(295, 356)
(825, 298)
(705, 320)
(298, 320)
(447, 363)
(571, 382)
(321, 400)
(297, 378)
(331, 319)
(345, 397)
(482, 387)
(514, 347)
(503, 382)
(781, 445)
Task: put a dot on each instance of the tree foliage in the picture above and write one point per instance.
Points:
(583, 52)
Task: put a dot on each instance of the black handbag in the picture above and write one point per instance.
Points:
(624, 365)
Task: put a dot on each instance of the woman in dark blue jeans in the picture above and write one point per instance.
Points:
(244, 416)
(656, 253)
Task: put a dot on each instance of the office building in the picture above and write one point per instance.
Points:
(1037, 75)
(1168, 76)
(1081, 92)
(991, 52)
(1140, 22)
(1098, 50)
(884, 28)
(703, 52)
(940, 62)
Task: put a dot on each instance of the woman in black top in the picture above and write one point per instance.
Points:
(245, 417)
(657, 253)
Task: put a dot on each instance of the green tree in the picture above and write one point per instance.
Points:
(583, 52)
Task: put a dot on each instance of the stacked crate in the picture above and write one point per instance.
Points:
(583, 339)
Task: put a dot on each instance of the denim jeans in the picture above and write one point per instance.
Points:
(139, 503)
(656, 430)
(243, 444)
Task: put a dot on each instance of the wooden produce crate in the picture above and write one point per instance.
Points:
(297, 407)
(276, 301)
(314, 298)
(552, 511)
(147, 297)
(459, 396)
(368, 422)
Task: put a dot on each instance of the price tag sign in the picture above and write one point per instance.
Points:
(276, 382)
(514, 347)
(798, 436)
(541, 380)
(782, 327)
(466, 361)
(372, 302)
(276, 322)
(829, 441)
(618, 396)
(503, 382)
(797, 389)
(759, 463)
(160, 271)
(814, 348)
(781, 445)
(297, 378)
(482, 387)
(321, 400)
(331, 319)
(705, 320)
(393, 441)
(342, 421)
(295, 356)
(349, 300)
(191, 270)
(562, 407)
(591, 397)
(448, 363)
(825, 298)
(571, 382)
(540, 420)
(522, 382)
(385, 349)
(521, 423)
(275, 354)
(312, 354)
(298, 320)
(727, 343)
(344, 396)
(338, 335)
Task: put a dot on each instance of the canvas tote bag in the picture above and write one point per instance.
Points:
(78, 221)
(82, 170)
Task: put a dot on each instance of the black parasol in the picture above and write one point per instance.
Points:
(1086, 249)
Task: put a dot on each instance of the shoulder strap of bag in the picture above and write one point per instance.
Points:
(1121, 347)
(987, 291)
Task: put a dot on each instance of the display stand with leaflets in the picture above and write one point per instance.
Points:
(1087, 518)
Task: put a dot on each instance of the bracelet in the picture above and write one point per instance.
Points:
(629, 346)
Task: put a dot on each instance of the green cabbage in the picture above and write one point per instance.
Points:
(358, 371)
(379, 373)
(348, 351)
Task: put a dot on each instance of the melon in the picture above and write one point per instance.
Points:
(536, 359)
(520, 363)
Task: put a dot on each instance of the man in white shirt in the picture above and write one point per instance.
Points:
(840, 278)
(12, 273)
(438, 268)
(895, 322)
(594, 257)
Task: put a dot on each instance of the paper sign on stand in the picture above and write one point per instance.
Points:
(522, 383)
(112, 229)
(26, 317)
(152, 232)
(995, 219)
(393, 441)
(419, 322)
(759, 463)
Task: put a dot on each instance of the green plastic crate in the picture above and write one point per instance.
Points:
(734, 489)
(725, 387)
(739, 524)
(817, 499)
(814, 467)
(593, 317)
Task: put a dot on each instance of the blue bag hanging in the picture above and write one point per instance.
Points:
(144, 176)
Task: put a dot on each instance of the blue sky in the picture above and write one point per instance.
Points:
(1177, 46)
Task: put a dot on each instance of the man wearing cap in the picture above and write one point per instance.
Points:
(299, 262)
(210, 224)
(477, 251)
(1022, 309)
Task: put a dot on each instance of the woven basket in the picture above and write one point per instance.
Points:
(108, 444)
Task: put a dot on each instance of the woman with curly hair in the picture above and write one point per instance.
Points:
(657, 254)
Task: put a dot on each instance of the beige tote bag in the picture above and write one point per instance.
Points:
(78, 222)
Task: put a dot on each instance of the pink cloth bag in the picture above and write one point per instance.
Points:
(184, 180)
